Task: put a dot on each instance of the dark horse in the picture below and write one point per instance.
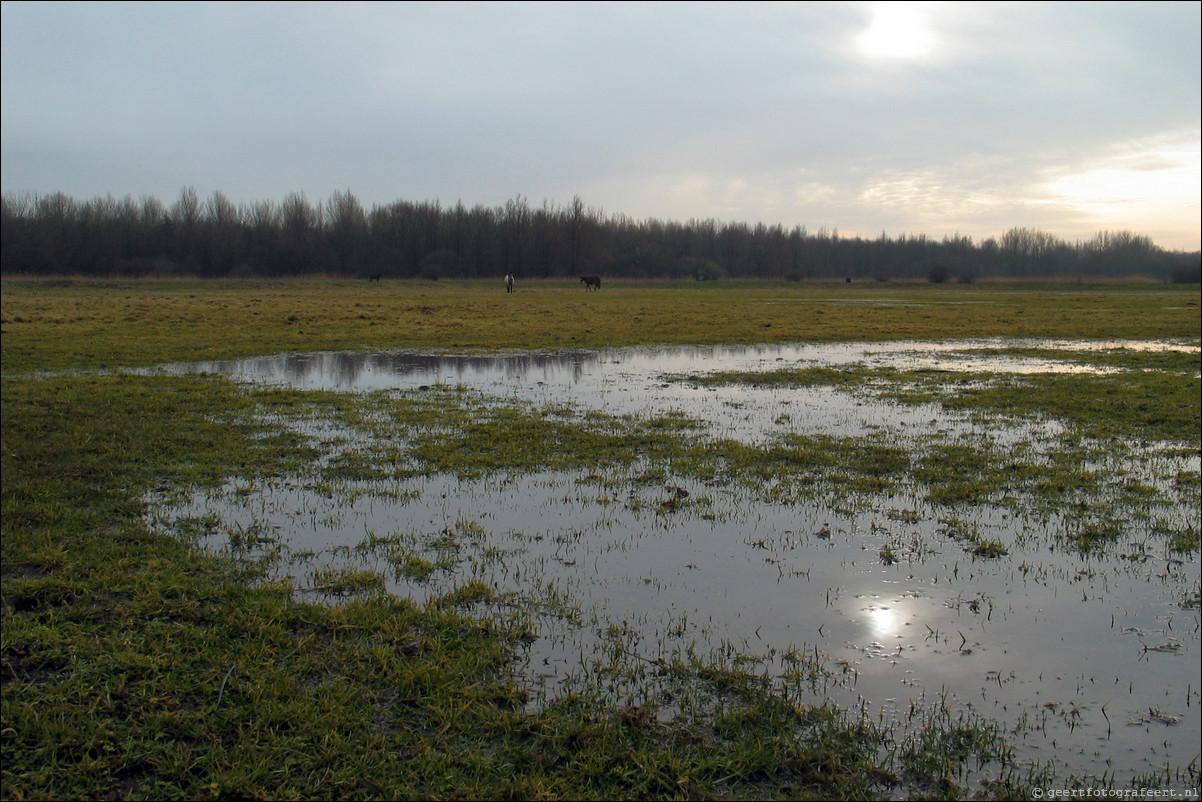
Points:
(591, 282)
(375, 277)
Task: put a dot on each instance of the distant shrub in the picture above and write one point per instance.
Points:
(441, 263)
(1186, 274)
(700, 269)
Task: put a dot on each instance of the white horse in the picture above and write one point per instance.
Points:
(509, 282)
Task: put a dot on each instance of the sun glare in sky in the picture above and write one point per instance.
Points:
(897, 31)
(1142, 185)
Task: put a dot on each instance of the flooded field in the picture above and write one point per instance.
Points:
(1070, 619)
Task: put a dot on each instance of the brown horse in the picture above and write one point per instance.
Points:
(591, 282)
(375, 277)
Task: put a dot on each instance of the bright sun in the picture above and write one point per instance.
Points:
(897, 31)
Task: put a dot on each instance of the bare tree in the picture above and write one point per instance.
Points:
(301, 223)
(347, 232)
(515, 231)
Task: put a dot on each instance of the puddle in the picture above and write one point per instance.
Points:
(1088, 661)
(595, 374)
(592, 375)
(632, 381)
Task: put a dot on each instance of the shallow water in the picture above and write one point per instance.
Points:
(632, 381)
(1090, 661)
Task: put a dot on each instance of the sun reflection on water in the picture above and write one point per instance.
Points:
(884, 621)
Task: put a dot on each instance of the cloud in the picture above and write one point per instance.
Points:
(755, 111)
(1149, 186)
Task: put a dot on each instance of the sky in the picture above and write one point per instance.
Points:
(895, 118)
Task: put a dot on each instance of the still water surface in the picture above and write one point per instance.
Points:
(1090, 661)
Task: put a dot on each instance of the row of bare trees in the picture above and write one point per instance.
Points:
(214, 237)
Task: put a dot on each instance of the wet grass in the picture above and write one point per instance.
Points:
(1155, 396)
(970, 534)
(1145, 403)
(138, 665)
(1152, 404)
(1168, 361)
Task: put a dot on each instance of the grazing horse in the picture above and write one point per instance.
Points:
(591, 282)
(509, 282)
(375, 277)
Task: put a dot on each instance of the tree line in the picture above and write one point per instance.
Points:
(56, 234)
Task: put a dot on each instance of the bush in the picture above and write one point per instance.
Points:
(1186, 274)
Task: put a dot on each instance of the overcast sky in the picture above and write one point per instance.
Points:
(902, 118)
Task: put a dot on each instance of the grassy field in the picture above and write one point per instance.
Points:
(50, 325)
(136, 665)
